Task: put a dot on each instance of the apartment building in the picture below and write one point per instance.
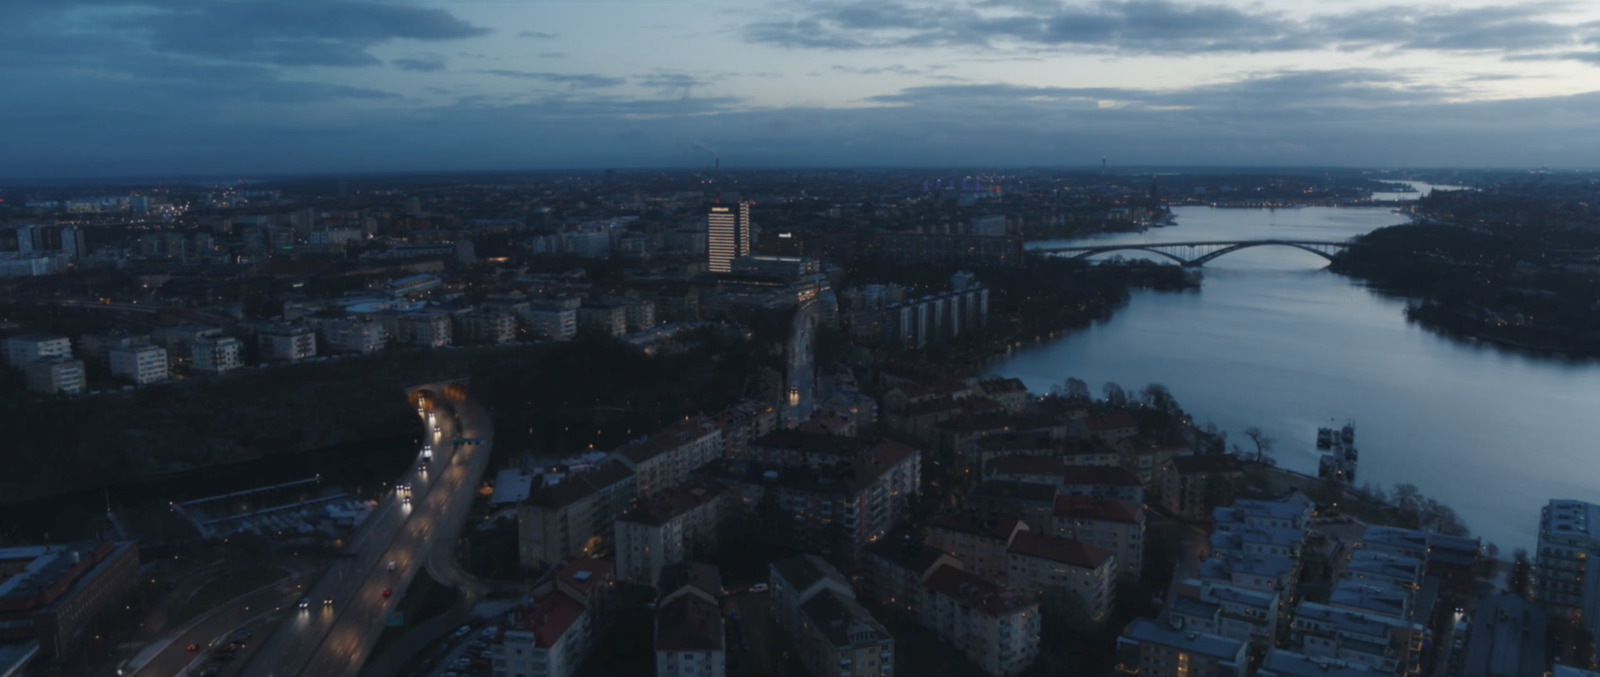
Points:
(1115, 525)
(1250, 616)
(862, 497)
(142, 363)
(52, 593)
(1031, 501)
(1149, 648)
(215, 354)
(1283, 663)
(1381, 643)
(358, 335)
(56, 376)
(995, 627)
(831, 632)
(1039, 564)
(981, 544)
(610, 319)
(573, 517)
(670, 526)
(287, 343)
(742, 423)
(547, 637)
(29, 348)
(893, 571)
(1191, 486)
(689, 634)
(488, 325)
(418, 328)
(1569, 536)
(666, 458)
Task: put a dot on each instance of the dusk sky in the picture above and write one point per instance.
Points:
(151, 87)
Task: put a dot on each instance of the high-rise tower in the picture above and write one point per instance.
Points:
(727, 235)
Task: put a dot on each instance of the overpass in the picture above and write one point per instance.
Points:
(1195, 254)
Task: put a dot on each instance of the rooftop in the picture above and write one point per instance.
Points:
(689, 623)
(1097, 509)
(999, 528)
(1507, 639)
(701, 576)
(672, 438)
(547, 618)
(1073, 553)
(1011, 490)
(1570, 519)
(1281, 663)
(673, 502)
(978, 593)
(843, 621)
(910, 555)
(1147, 630)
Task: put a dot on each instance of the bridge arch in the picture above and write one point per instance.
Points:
(1195, 254)
(1084, 255)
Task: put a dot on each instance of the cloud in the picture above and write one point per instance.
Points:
(552, 55)
(675, 85)
(1158, 27)
(536, 35)
(419, 62)
(293, 32)
(576, 80)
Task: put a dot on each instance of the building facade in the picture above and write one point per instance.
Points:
(727, 235)
(142, 364)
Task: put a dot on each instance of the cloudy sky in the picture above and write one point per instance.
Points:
(135, 87)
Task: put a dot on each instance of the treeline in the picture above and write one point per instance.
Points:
(1491, 286)
(555, 399)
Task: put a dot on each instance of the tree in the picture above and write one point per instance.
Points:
(1076, 389)
(1262, 441)
(1159, 398)
(1114, 394)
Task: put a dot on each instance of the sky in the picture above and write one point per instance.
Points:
(187, 87)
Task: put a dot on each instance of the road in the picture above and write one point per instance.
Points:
(799, 399)
(334, 640)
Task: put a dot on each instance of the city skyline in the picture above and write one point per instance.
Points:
(164, 87)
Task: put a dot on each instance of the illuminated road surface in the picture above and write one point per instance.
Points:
(334, 641)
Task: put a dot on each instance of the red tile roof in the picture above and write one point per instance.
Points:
(548, 618)
(689, 623)
(1099, 475)
(1098, 509)
(664, 505)
(586, 573)
(968, 523)
(1074, 553)
(976, 593)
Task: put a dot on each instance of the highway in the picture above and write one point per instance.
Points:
(334, 640)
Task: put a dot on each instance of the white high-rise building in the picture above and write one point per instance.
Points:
(56, 375)
(216, 354)
(141, 363)
(727, 235)
(1569, 536)
(26, 349)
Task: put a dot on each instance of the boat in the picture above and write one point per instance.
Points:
(1340, 458)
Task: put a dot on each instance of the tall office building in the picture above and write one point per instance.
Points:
(727, 235)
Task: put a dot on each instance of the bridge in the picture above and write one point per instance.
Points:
(1196, 254)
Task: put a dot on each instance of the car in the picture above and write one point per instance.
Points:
(305, 604)
(327, 602)
(405, 500)
(194, 648)
(759, 587)
(387, 592)
(463, 631)
(422, 467)
(393, 566)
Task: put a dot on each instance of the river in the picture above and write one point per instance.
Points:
(1274, 340)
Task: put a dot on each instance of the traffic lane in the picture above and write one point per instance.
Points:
(231, 616)
(344, 650)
